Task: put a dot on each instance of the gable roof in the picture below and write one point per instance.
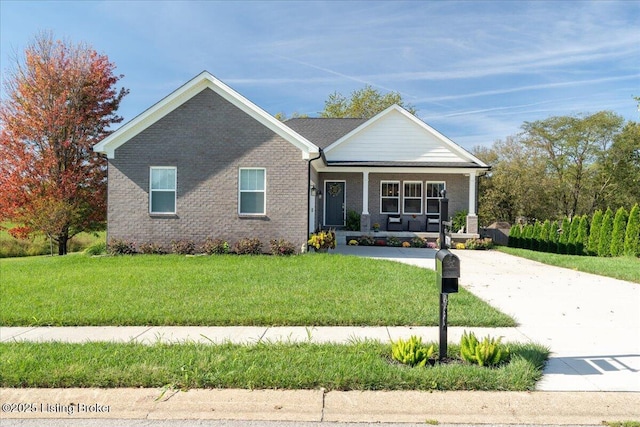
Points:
(324, 131)
(429, 148)
(185, 92)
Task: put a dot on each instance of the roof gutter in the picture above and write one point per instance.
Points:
(320, 154)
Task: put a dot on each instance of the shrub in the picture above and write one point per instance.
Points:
(460, 246)
(632, 235)
(604, 243)
(527, 237)
(353, 242)
(432, 245)
(121, 247)
(98, 248)
(488, 352)
(459, 220)
(594, 233)
(535, 236)
(183, 247)
(353, 220)
(411, 352)
(563, 238)
(247, 246)
(366, 241)
(394, 241)
(418, 242)
(543, 241)
(479, 244)
(151, 249)
(215, 246)
(573, 235)
(406, 244)
(618, 234)
(583, 235)
(281, 247)
(514, 236)
(552, 246)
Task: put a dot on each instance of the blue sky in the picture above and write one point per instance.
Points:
(474, 70)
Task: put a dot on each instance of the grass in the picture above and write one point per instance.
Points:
(311, 289)
(364, 365)
(623, 268)
(40, 244)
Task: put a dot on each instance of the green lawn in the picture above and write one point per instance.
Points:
(624, 268)
(311, 289)
(40, 245)
(357, 366)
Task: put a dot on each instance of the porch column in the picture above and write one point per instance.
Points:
(472, 218)
(365, 220)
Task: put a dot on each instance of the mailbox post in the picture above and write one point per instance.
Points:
(447, 274)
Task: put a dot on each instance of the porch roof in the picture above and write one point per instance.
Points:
(382, 164)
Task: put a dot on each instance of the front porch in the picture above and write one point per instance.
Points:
(343, 236)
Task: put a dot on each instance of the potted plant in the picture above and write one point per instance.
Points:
(322, 241)
(376, 227)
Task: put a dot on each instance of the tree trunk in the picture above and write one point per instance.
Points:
(63, 240)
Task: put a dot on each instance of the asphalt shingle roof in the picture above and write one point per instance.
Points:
(323, 131)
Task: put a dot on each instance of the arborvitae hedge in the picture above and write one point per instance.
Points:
(583, 235)
(619, 229)
(604, 245)
(632, 235)
(594, 233)
(602, 235)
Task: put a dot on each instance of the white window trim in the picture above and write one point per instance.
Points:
(240, 191)
(175, 190)
(405, 197)
(427, 198)
(390, 197)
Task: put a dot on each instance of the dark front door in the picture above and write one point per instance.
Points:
(334, 205)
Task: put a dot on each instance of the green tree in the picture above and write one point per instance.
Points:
(594, 233)
(632, 234)
(514, 236)
(573, 145)
(573, 235)
(563, 238)
(619, 230)
(363, 104)
(552, 246)
(527, 234)
(604, 245)
(618, 170)
(543, 243)
(583, 235)
(517, 185)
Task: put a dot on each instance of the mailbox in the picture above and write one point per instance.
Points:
(448, 271)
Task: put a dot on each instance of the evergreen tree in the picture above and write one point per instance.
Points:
(619, 229)
(594, 233)
(514, 235)
(632, 235)
(604, 245)
(563, 239)
(535, 238)
(527, 236)
(543, 244)
(583, 235)
(552, 245)
(573, 235)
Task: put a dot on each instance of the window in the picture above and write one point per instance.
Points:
(433, 196)
(412, 197)
(252, 192)
(162, 190)
(390, 197)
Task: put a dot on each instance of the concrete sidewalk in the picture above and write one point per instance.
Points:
(556, 408)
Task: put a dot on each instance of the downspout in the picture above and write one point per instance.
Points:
(309, 192)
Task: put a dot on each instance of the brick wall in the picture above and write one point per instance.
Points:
(208, 140)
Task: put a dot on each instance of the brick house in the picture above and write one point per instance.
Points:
(207, 162)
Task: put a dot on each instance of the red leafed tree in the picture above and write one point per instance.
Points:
(60, 101)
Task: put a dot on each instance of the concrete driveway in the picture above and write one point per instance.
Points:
(590, 323)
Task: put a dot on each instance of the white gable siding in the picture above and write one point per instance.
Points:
(393, 138)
